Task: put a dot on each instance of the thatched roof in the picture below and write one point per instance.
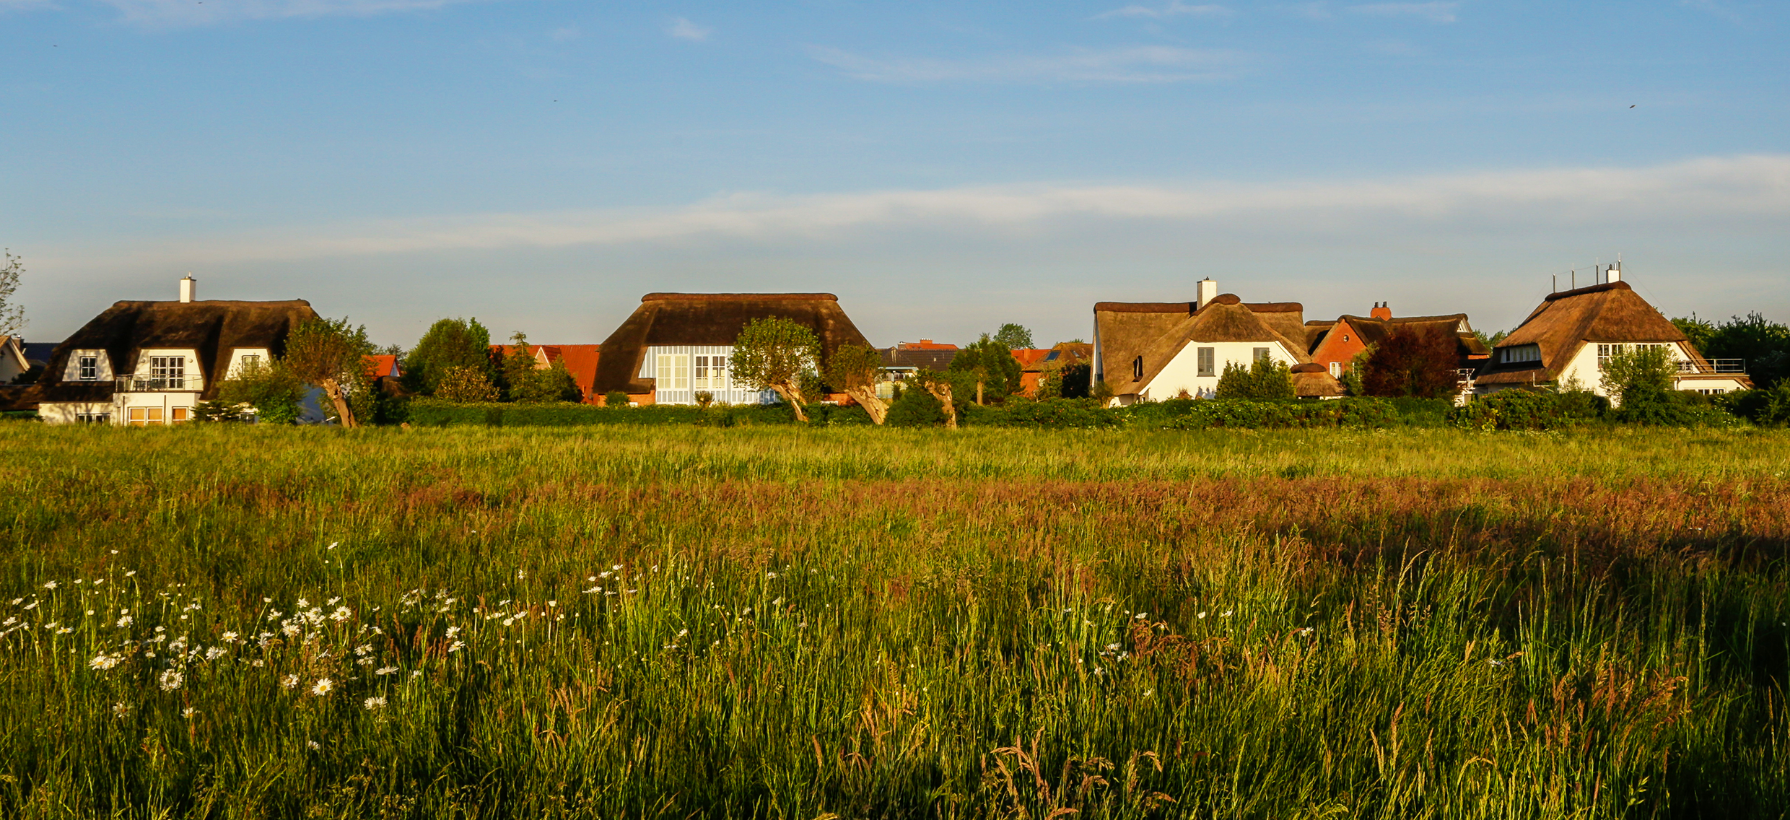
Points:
(214, 329)
(711, 319)
(928, 358)
(1565, 321)
(1158, 330)
(1313, 381)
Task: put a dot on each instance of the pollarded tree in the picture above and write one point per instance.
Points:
(939, 385)
(1413, 361)
(449, 343)
(774, 353)
(327, 353)
(854, 370)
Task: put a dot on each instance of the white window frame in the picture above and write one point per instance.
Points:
(1206, 359)
(169, 372)
(1336, 370)
(1263, 354)
(89, 368)
(671, 371)
(710, 372)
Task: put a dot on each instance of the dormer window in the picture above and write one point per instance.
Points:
(1520, 353)
(168, 372)
(1137, 369)
(89, 368)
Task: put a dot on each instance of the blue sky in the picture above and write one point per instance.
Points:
(944, 168)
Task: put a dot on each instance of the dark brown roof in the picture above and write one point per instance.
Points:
(927, 358)
(1374, 331)
(711, 319)
(1565, 321)
(213, 328)
(1158, 330)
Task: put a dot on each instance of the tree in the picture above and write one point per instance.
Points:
(938, 385)
(1014, 337)
(465, 384)
(1763, 345)
(526, 381)
(275, 393)
(1492, 340)
(12, 317)
(992, 364)
(1639, 375)
(915, 407)
(448, 343)
(774, 353)
(327, 353)
(1699, 331)
(1413, 361)
(1263, 380)
(855, 370)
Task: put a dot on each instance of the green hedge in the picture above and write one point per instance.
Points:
(1357, 412)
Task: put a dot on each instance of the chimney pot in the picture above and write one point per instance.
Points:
(189, 288)
(1614, 273)
(1382, 311)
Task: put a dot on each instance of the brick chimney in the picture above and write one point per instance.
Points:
(1382, 311)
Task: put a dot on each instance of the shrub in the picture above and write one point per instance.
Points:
(1052, 414)
(1241, 413)
(465, 384)
(1412, 361)
(276, 394)
(915, 408)
(1263, 380)
(615, 398)
(1528, 410)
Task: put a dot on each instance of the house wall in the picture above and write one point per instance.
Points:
(194, 378)
(1583, 368)
(1182, 372)
(72, 373)
(667, 391)
(237, 355)
(70, 412)
(1338, 347)
(153, 408)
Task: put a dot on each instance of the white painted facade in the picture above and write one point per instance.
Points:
(679, 372)
(1198, 373)
(1585, 368)
(88, 366)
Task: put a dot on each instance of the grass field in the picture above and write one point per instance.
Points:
(778, 622)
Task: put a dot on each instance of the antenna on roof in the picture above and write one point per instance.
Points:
(1574, 273)
(1556, 288)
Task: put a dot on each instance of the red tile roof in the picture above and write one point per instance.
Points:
(381, 366)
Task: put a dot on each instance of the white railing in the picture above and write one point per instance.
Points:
(1734, 366)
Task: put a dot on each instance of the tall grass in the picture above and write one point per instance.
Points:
(797, 623)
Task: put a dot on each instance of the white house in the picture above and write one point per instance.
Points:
(676, 345)
(13, 362)
(149, 363)
(1148, 351)
(1569, 337)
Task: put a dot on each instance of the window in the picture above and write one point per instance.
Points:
(711, 373)
(1521, 353)
(1208, 361)
(1137, 369)
(89, 368)
(168, 372)
(673, 371)
(1336, 370)
(1345, 337)
(1262, 354)
(92, 418)
(249, 361)
(141, 416)
(178, 414)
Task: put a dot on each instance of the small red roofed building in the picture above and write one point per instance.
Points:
(1334, 345)
(580, 360)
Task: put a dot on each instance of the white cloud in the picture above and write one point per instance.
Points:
(564, 34)
(686, 30)
(1175, 8)
(1713, 190)
(1433, 12)
(1137, 64)
(191, 13)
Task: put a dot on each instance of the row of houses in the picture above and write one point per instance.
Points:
(151, 362)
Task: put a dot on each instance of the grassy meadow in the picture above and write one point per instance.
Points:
(222, 621)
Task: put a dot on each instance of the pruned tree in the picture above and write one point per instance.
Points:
(276, 395)
(939, 385)
(12, 316)
(1014, 336)
(774, 353)
(448, 343)
(1413, 361)
(327, 353)
(854, 370)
